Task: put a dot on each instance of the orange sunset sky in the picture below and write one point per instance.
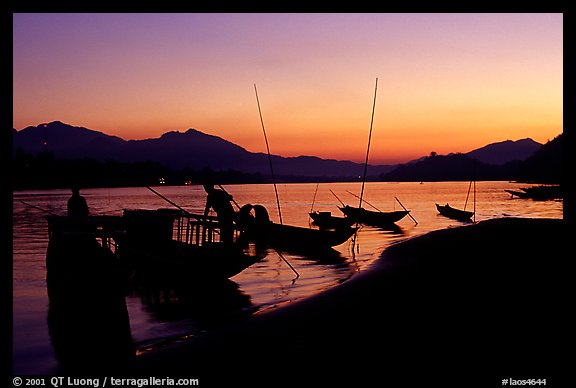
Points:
(446, 82)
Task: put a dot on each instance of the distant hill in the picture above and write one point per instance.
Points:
(545, 165)
(63, 140)
(453, 167)
(505, 151)
(191, 149)
(196, 151)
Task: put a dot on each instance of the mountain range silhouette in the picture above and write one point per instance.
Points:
(190, 149)
(197, 150)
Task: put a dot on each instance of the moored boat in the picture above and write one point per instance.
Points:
(373, 218)
(161, 242)
(456, 214)
(325, 220)
(81, 256)
(516, 193)
(293, 238)
(296, 238)
(189, 243)
(539, 193)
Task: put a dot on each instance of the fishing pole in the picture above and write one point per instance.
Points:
(336, 197)
(231, 198)
(167, 200)
(410, 215)
(368, 203)
(54, 214)
(39, 208)
(173, 204)
(269, 157)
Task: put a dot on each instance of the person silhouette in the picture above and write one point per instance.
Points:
(219, 200)
(77, 206)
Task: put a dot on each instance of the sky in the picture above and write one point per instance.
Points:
(446, 82)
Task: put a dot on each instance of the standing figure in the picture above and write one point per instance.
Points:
(77, 206)
(219, 200)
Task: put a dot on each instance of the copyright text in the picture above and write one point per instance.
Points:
(103, 382)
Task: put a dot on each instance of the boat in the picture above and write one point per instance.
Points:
(325, 220)
(373, 218)
(300, 239)
(367, 217)
(261, 229)
(538, 193)
(170, 239)
(81, 257)
(516, 193)
(456, 214)
(459, 214)
(162, 242)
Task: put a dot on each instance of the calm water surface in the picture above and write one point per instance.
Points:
(267, 284)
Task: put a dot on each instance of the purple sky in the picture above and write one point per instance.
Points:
(447, 82)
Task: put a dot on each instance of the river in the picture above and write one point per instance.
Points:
(265, 285)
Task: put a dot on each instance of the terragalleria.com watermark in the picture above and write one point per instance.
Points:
(102, 382)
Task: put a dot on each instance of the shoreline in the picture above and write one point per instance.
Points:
(431, 307)
(424, 310)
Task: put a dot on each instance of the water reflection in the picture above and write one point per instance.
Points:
(266, 283)
(325, 256)
(88, 320)
(463, 221)
(208, 304)
(392, 229)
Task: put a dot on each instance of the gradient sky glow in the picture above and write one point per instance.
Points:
(447, 82)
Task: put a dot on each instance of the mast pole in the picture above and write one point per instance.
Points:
(314, 198)
(273, 181)
(467, 195)
(269, 157)
(366, 162)
(474, 200)
(369, 140)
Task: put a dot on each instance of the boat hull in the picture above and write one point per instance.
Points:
(456, 214)
(516, 193)
(325, 220)
(372, 218)
(154, 243)
(539, 193)
(185, 262)
(299, 239)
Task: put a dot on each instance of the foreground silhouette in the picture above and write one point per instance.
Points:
(87, 318)
(77, 206)
(466, 306)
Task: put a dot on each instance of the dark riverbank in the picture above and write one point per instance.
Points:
(466, 306)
